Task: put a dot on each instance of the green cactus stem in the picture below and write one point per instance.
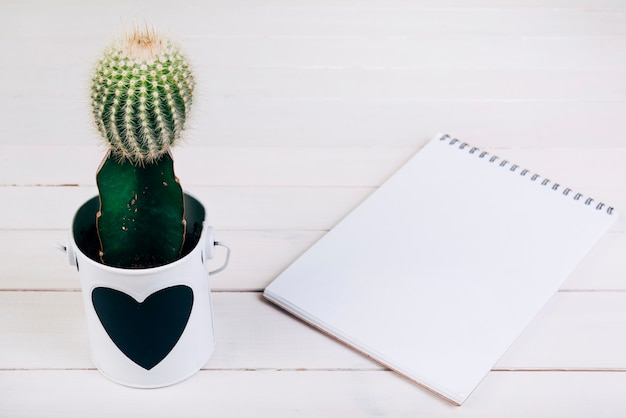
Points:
(141, 221)
(140, 93)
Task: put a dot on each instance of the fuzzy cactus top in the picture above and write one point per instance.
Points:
(140, 94)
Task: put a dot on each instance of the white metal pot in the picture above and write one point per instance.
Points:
(147, 327)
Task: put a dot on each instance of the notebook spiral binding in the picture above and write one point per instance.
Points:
(589, 201)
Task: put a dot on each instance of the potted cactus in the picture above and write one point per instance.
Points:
(141, 245)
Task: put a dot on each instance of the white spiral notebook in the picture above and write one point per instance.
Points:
(438, 272)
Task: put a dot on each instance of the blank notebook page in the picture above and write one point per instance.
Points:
(439, 271)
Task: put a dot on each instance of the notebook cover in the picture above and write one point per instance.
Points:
(438, 272)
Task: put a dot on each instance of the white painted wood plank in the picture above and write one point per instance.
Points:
(467, 53)
(425, 84)
(259, 122)
(359, 84)
(460, 54)
(372, 19)
(214, 166)
(410, 20)
(30, 259)
(15, 6)
(255, 335)
(45, 330)
(237, 208)
(449, 4)
(41, 207)
(577, 168)
(272, 394)
(403, 123)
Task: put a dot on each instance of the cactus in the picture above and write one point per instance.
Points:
(141, 93)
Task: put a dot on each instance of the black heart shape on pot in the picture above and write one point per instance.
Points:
(145, 331)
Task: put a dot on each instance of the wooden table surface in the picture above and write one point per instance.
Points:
(303, 108)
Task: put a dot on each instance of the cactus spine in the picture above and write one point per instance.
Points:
(140, 93)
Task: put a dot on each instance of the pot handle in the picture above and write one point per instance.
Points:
(67, 249)
(226, 259)
(209, 249)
